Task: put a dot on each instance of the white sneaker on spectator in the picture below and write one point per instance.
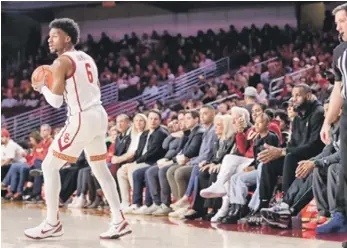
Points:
(163, 211)
(73, 203)
(116, 231)
(216, 190)
(147, 210)
(181, 203)
(45, 230)
(179, 213)
(220, 213)
(130, 209)
(80, 202)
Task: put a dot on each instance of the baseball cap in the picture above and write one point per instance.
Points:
(250, 91)
(313, 58)
(287, 103)
(296, 59)
(5, 133)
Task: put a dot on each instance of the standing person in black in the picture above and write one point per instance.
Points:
(338, 99)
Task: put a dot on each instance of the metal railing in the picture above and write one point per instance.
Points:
(276, 85)
(179, 89)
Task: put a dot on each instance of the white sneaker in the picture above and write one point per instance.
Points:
(116, 231)
(73, 203)
(220, 213)
(179, 213)
(163, 211)
(216, 190)
(45, 230)
(181, 203)
(147, 210)
(80, 202)
(130, 209)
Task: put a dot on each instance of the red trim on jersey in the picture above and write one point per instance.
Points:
(61, 147)
(74, 66)
(76, 91)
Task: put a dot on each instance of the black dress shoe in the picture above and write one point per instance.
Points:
(209, 216)
(239, 212)
(194, 216)
(232, 215)
(96, 203)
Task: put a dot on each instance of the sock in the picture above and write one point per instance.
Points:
(50, 167)
(109, 187)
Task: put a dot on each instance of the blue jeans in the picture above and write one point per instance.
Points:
(17, 176)
(140, 181)
(193, 180)
(38, 181)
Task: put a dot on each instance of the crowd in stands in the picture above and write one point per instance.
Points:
(138, 65)
(221, 163)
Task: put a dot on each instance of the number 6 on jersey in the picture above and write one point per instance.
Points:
(89, 73)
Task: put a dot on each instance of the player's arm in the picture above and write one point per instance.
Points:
(60, 69)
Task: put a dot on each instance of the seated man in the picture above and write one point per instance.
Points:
(305, 143)
(18, 172)
(300, 192)
(190, 149)
(185, 177)
(11, 153)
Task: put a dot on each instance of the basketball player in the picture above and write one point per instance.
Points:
(75, 80)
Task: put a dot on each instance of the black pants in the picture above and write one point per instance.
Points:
(269, 177)
(299, 193)
(93, 186)
(290, 164)
(343, 150)
(68, 179)
(201, 205)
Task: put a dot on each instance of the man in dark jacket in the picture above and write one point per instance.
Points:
(123, 140)
(305, 143)
(161, 194)
(308, 183)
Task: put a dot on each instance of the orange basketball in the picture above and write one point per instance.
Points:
(41, 74)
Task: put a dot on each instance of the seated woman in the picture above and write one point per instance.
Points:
(125, 180)
(208, 173)
(235, 163)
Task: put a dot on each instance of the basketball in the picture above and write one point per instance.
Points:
(42, 73)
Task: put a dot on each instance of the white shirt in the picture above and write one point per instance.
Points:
(13, 151)
(262, 95)
(8, 103)
(152, 91)
(134, 144)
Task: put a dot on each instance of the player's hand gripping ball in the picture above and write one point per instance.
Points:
(42, 76)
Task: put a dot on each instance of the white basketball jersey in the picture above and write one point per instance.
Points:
(82, 90)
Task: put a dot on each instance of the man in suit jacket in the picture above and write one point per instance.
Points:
(156, 176)
(149, 151)
(123, 140)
